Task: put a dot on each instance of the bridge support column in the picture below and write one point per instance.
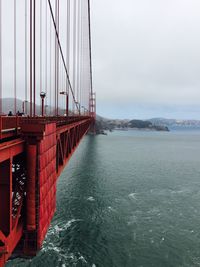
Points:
(10, 198)
(30, 227)
(6, 196)
(41, 182)
(31, 153)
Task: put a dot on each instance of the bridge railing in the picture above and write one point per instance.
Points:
(10, 125)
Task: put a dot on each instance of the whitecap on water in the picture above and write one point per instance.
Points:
(152, 240)
(111, 209)
(55, 230)
(182, 190)
(82, 259)
(133, 196)
(90, 199)
(56, 249)
(69, 223)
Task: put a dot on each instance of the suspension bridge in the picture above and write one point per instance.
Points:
(47, 105)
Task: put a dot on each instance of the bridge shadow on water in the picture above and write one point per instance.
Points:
(81, 231)
(81, 204)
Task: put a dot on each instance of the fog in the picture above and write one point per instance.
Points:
(146, 59)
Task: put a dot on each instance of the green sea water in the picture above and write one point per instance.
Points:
(127, 199)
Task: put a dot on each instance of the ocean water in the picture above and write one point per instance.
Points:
(127, 199)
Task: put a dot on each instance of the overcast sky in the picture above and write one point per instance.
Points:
(146, 59)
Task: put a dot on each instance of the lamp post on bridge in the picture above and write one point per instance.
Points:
(42, 95)
(67, 101)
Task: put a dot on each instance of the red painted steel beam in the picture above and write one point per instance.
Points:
(74, 134)
(10, 243)
(11, 227)
(50, 141)
(31, 151)
(11, 149)
(11, 126)
(63, 128)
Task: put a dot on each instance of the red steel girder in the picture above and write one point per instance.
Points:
(69, 137)
(11, 148)
(11, 197)
(66, 136)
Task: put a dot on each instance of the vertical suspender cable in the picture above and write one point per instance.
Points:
(74, 51)
(58, 15)
(41, 46)
(34, 55)
(81, 57)
(82, 67)
(26, 83)
(1, 108)
(68, 55)
(55, 59)
(50, 74)
(60, 87)
(78, 52)
(90, 46)
(81, 54)
(84, 55)
(90, 50)
(68, 41)
(80, 39)
(46, 55)
(31, 54)
(15, 74)
(41, 49)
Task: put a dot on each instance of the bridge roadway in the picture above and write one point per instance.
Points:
(33, 153)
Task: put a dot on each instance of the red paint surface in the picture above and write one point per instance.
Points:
(29, 167)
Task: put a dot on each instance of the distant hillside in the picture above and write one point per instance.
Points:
(176, 123)
(139, 124)
(106, 124)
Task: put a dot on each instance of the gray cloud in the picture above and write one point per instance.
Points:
(147, 53)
